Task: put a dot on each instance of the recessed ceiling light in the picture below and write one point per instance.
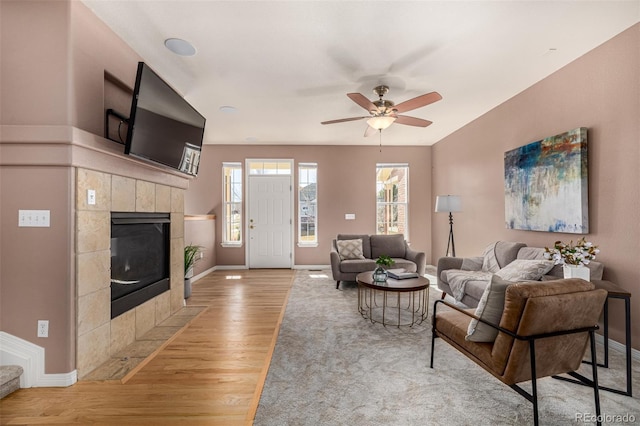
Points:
(251, 139)
(180, 47)
(228, 109)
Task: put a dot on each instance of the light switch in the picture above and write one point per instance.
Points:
(350, 216)
(34, 218)
(91, 197)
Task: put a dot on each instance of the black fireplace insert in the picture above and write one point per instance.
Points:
(139, 258)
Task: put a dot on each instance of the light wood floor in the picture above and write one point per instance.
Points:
(210, 374)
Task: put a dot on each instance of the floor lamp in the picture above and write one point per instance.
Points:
(449, 203)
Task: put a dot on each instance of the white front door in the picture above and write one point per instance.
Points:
(270, 222)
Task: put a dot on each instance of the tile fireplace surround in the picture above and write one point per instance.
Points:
(98, 336)
(75, 161)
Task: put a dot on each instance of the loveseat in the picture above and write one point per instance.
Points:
(475, 271)
(350, 257)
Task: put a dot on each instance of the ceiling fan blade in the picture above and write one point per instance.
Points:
(412, 121)
(342, 120)
(369, 131)
(418, 102)
(362, 100)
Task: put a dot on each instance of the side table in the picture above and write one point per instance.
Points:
(616, 292)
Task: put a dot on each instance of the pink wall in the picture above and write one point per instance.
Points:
(600, 91)
(36, 277)
(34, 68)
(96, 50)
(201, 231)
(54, 58)
(346, 184)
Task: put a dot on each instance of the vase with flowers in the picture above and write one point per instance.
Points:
(380, 273)
(573, 258)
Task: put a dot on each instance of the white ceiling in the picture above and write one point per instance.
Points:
(287, 65)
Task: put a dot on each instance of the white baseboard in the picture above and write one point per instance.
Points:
(203, 274)
(312, 267)
(17, 351)
(229, 267)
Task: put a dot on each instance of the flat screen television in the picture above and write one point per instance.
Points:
(163, 127)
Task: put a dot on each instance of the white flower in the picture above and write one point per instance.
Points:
(580, 254)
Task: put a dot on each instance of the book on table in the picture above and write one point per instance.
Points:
(401, 274)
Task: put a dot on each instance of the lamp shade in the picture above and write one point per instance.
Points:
(448, 203)
(381, 122)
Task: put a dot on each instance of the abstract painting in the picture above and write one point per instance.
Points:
(546, 184)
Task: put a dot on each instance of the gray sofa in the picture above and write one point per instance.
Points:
(505, 253)
(373, 246)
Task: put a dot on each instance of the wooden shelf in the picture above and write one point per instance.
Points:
(199, 217)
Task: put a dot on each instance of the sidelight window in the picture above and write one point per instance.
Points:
(308, 204)
(231, 204)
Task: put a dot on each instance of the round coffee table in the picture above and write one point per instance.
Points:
(411, 303)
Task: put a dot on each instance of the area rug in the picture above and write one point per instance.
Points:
(332, 367)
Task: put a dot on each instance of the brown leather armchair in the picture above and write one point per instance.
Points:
(544, 330)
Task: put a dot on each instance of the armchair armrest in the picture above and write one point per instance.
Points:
(469, 314)
(417, 257)
(445, 263)
(335, 262)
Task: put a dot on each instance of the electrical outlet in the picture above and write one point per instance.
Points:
(91, 197)
(43, 328)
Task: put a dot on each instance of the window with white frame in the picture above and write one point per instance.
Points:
(392, 199)
(231, 204)
(308, 204)
(269, 167)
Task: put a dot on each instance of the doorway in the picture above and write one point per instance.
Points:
(270, 214)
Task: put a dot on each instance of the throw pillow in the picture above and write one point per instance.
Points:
(525, 270)
(350, 249)
(489, 260)
(489, 309)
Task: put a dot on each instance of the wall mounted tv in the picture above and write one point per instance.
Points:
(163, 127)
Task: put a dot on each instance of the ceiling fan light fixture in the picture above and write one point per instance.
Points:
(381, 122)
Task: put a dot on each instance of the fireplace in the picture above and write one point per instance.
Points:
(139, 258)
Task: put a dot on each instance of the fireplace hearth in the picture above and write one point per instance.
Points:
(139, 258)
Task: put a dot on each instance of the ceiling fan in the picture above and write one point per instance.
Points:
(383, 113)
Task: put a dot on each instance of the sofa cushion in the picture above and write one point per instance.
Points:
(459, 280)
(388, 245)
(350, 249)
(489, 309)
(504, 252)
(452, 327)
(525, 270)
(366, 242)
(531, 253)
(358, 265)
(408, 265)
